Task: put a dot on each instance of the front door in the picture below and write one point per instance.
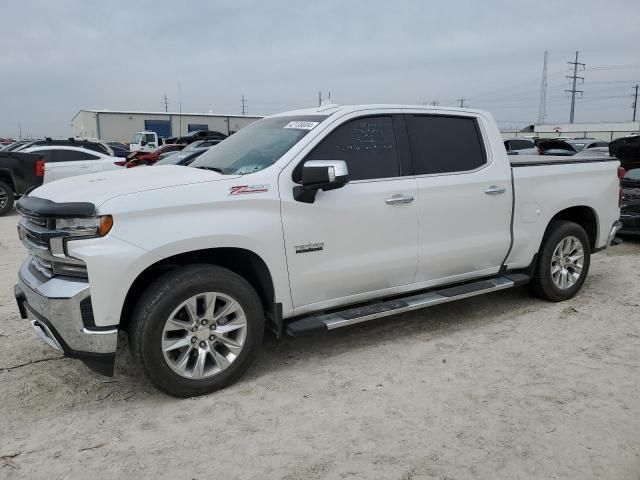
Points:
(362, 238)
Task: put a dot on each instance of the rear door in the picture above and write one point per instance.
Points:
(359, 239)
(464, 198)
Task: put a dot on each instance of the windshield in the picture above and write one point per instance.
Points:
(136, 138)
(259, 145)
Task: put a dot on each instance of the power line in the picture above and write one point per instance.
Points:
(573, 89)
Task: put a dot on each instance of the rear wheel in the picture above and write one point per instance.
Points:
(6, 198)
(563, 262)
(197, 329)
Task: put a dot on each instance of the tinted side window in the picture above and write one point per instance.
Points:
(442, 144)
(71, 156)
(368, 145)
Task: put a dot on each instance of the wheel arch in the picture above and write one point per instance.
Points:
(6, 176)
(243, 262)
(584, 216)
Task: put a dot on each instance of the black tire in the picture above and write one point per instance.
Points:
(542, 284)
(6, 190)
(162, 297)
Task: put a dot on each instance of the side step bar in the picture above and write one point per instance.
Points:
(329, 321)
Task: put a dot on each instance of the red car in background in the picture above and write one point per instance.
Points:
(149, 158)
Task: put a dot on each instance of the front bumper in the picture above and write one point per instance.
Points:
(612, 233)
(59, 310)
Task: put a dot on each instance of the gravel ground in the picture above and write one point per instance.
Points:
(498, 386)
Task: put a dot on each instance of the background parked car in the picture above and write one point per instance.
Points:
(580, 144)
(19, 173)
(627, 150)
(149, 158)
(513, 145)
(630, 210)
(62, 161)
(184, 158)
(96, 145)
(593, 152)
(553, 146)
(15, 146)
(197, 135)
(119, 149)
(204, 143)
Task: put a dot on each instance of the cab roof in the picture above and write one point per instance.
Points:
(345, 109)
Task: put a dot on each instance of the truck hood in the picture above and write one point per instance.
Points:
(97, 188)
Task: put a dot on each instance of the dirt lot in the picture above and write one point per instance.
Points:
(500, 386)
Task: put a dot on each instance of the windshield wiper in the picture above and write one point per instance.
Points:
(213, 169)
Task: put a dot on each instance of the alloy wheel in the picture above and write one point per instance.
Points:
(567, 262)
(204, 335)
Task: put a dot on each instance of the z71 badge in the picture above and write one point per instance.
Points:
(309, 247)
(242, 189)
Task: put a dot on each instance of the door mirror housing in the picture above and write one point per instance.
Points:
(320, 175)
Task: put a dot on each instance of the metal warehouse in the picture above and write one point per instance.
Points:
(120, 125)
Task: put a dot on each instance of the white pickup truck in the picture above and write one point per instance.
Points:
(302, 222)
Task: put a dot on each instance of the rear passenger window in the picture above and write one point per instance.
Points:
(368, 145)
(444, 144)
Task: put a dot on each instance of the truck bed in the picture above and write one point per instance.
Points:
(531, 160)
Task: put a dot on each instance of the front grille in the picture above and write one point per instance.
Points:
(38, 222)
(37, 235)
(43, 266)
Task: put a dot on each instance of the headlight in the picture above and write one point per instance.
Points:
(93, 226)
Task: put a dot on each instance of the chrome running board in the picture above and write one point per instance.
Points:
(351, 316)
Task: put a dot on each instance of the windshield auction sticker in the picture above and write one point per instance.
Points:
(301, 125)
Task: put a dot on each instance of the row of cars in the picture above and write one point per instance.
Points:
(560, 147)
(28, 164)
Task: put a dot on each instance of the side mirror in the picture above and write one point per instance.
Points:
(142, 143)
(320, 175)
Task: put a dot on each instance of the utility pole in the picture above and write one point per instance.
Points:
(319, 98)
(435, 103)
(244, 104)
(165, 100)
(20, 126)
(461, 100)
(635, 102)
(180, 110)
(573, 89)
(542, 108)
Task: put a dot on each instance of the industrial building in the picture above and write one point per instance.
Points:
(110, 125)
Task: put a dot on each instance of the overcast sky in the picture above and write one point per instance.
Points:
(59, 57)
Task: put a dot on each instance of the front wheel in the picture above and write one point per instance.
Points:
(563, 262)
(6, 198)
(197, 329)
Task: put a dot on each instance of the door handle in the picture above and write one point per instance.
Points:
(399, 199)
(495, 190)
